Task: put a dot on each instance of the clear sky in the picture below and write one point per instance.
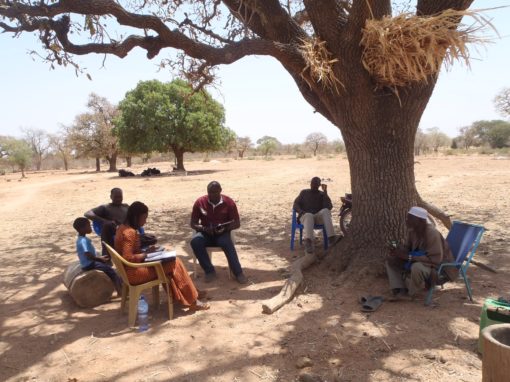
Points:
(259, 96)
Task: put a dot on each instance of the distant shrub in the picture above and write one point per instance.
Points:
(485, 151)
(250, 158)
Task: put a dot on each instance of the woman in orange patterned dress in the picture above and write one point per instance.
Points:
(127, 243)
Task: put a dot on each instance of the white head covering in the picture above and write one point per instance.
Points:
(419, 212)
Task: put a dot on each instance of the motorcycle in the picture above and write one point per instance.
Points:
(345, 213)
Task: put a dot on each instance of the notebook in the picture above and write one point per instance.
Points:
(161, 255)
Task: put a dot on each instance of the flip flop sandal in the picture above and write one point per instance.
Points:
(199, 305)
(372, 304)
(364, 299)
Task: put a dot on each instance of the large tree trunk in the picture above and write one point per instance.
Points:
(38, 162)
(128, 161)
(98, 164)
(66, 162)
(179, 160)
(112, 161)
(380, 148)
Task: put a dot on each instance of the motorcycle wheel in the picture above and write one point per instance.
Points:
(345, 220)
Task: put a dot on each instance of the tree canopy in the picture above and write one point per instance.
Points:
(315, 140)
(164, 117)
(17, 152)
(91, 134)
(495, 133)
(333, 49)
(267, 145)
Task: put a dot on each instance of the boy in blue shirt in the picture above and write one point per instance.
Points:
(87, 254)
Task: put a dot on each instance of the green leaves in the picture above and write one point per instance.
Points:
(158, 116)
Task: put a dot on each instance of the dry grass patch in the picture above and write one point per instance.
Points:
(398, 51)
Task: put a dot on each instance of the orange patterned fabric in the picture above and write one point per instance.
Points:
(127, 243)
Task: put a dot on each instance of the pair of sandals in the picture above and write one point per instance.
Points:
(370, 303)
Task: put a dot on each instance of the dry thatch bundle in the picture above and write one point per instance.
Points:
(319, 63)
(407, 48)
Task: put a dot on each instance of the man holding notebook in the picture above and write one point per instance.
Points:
(213, 217)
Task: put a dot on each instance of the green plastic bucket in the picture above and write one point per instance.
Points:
(493, 312)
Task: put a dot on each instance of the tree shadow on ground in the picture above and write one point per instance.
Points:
(400, 341)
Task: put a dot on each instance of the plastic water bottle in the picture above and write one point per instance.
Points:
(143, 314)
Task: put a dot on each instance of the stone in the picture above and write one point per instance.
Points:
(303, 362)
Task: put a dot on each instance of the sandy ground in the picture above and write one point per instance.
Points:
(46, 337)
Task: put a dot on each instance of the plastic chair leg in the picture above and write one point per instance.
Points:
(292, 238)
(134, 296)
(466, 282)
(325, 238)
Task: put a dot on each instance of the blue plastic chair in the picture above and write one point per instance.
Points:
(463, 240)
(296, 225)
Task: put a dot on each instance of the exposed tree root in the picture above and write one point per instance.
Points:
(343, 258)
(290, 286)
(435, 212)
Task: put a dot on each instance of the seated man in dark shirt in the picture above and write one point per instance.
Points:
(314, 207)
(213, 217)
(109, 216)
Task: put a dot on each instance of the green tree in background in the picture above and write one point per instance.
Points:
(267, 145)
(495, 133)
(164, 117)
(17, 152)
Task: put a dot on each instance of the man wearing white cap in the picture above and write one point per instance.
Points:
(410, 266)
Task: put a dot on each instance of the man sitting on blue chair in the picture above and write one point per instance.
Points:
(412, 266)
(314, 207)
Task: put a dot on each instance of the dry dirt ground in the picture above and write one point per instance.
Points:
(46, 337)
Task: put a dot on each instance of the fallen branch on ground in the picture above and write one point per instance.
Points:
(290, 286)
(484, 266)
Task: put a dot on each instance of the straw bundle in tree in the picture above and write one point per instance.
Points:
(407, 48)
(319, 63)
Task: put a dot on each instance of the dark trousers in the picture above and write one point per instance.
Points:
(108, 270)
(200, 241)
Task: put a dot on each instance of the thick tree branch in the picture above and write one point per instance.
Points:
(435, 212)
(431, 7)
(326, 17)
(268, 19)
(312, 98)
(362, 10)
